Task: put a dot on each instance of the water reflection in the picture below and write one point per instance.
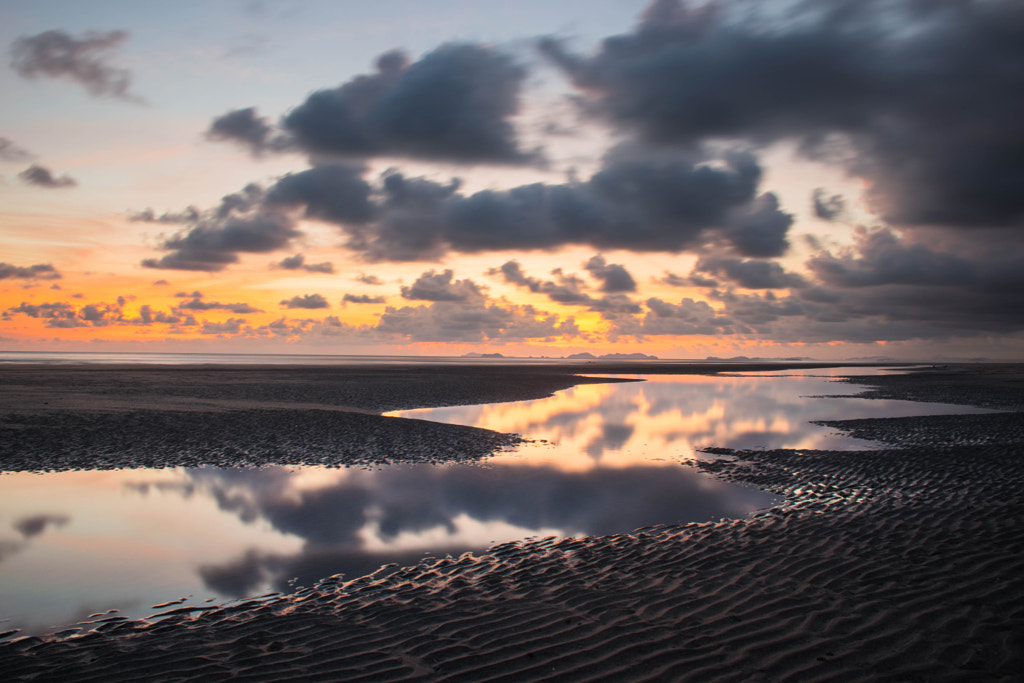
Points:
(606, 461)
(626, 424)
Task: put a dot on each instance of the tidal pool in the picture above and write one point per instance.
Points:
(606, 459)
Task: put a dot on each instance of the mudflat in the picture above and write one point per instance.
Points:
(904, 563)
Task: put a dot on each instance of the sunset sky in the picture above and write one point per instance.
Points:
(829, 179)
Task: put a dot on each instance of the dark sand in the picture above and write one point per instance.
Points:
(900, 564)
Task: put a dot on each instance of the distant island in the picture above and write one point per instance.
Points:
(482, 355)
(741, 359)
(611, 356)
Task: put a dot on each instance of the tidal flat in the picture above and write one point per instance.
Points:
(901, 561)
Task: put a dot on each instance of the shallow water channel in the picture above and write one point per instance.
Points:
(606, 459)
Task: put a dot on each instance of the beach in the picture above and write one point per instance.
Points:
(902, 563)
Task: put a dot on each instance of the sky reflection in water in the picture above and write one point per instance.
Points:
(76, 543)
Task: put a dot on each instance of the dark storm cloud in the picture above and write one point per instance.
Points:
(432, 286)
(38, 271)
(56, 54)
(241, 224)
(827, 208)
(883, 258)
(886, 286)
(966, 286)
(748, 273)
(310, 301)
(335, 193)
(454, 103)
(923, 99)
(12, 152)
(614, 277)
(362, 299)
(636, 202)
(298, 262)
(40, 176)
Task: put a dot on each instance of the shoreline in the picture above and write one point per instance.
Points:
(905, 563)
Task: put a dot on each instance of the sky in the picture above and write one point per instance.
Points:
(839, 179)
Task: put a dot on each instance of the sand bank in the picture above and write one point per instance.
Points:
(900, 564)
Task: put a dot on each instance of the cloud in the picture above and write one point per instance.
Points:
(99, 314)
(246, 127)
(640, 201)
(570, 290)
(298, 261)
(685, 318)
(915, 97)
(240, 224)
(369, 279)
(12, 152)
(56, 54)
(888, 285)
(40, 176)
(474, 321)
(230, 327)
(39, 271)
(454, 104)
(362, 299)
(636, 202)
(307, 301)
(431, 286)
(674, 280)
(147, 316)
(882, 258)
(197, 304)
(58, 310)
(614, 277)
(827, 208)
(747, 273)
(335, 193)
(188, 215)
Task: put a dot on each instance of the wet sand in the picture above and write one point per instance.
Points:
(905, 563)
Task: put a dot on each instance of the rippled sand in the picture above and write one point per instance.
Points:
(899, 564)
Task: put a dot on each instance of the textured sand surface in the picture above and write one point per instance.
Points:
(900, 564)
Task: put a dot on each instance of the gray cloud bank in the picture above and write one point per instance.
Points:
(923, 99)
(637, 202)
